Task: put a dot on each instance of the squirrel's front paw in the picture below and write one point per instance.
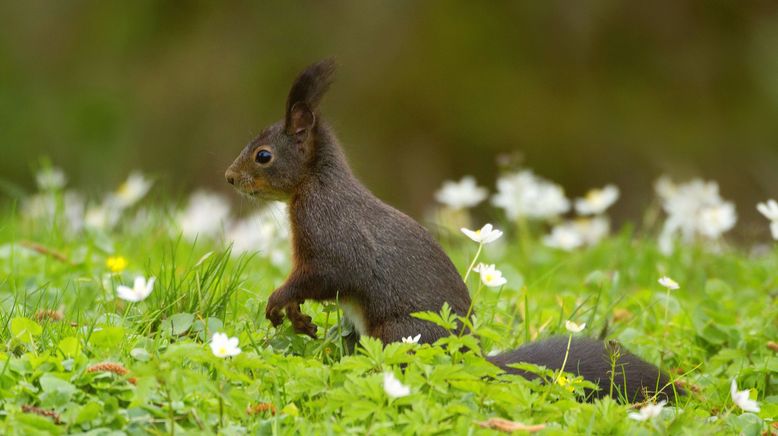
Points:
(275, 309)
(301, 322)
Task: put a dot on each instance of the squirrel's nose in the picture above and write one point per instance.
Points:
(230, 177)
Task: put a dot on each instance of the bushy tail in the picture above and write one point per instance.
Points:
(616, 371)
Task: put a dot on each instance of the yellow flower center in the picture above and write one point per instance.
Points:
(222, 351)
(123, 190)
(489, 277)
(116, 263)
(593, 196)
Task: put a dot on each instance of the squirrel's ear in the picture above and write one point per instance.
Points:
(300, 122)
(308, 90)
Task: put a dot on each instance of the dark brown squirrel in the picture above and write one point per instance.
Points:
(380, 264)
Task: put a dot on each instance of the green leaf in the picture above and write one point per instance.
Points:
(596, 279)
(468, 385)
(445, 318)
(29, 423)
(88, 412)
(373, 349)
(203, 259)
(109, 319)
(70, 346)
(25, 329)
(354, 364)
(206, 329)
(746, 424)
(533, 369)
(189, 351)
(396, 353)
(56, 392)
(718, 289)
(140, 354)
(107, 337)
(177, 324)
(291, 410)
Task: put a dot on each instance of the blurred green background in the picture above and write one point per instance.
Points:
(587, 92)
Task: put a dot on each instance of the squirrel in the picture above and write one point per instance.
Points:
(380, 264)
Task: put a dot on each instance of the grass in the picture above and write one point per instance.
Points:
(59, 318)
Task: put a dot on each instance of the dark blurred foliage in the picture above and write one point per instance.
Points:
(587, 92)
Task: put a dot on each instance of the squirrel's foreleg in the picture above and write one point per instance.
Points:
(288, 297)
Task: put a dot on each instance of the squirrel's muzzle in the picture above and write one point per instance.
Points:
(230, 176)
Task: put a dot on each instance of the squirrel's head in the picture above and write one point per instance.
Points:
(273, 164)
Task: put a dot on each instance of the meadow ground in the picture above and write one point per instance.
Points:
(76, 358)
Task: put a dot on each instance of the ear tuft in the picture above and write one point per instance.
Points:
(309, 88)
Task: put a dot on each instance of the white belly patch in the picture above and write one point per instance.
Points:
(354, 314)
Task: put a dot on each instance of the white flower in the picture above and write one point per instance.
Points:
(665, 187)
(50, 179)
(133, 189)
(462, 194)
(412, 339)
(393, 387)
(523, 194)
(648, 411)
(597, 201)
(145, 217)
(223, 346)
(102, 217)
(592, 230)
(715, 220)
(573, 234)
(490, 276)
(139, 291)
(205, 216)
(564, 237)
(73, 205)
(484, 235)
(573, 327)
(47, 207)
(265, 232)
(770, 210)
(669, 283)
(666, 243)
(741, 399)
(693, 209)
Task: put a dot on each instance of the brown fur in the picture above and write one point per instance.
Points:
(347, 243)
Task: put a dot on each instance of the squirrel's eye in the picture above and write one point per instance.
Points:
(264, 156)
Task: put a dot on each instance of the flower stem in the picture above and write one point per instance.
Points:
(171, 413)
(666, 328)
(475, 258)
(221, 411)
(667, 307)
(472, 303)
(564, 362)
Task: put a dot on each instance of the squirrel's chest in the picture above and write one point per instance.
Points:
(354, 313)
